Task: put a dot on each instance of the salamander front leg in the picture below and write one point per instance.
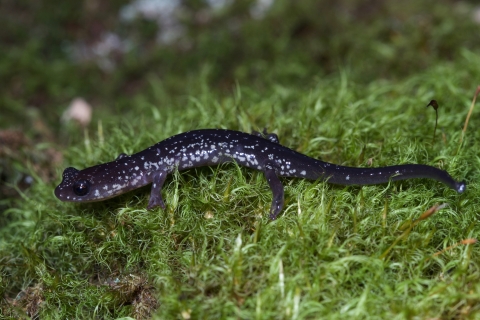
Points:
(277, 190)
(156, 199)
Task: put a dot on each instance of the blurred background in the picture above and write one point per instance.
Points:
(112, 53)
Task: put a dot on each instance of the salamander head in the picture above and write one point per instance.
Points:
(88, 185)
(74, 186)
(101, 182)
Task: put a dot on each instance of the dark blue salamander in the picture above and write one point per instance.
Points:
(214, 146)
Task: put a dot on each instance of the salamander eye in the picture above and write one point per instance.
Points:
(81, 187)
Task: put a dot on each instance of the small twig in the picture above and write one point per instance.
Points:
(434, 105)
(468, 117)
(465, 241)
(435, 208)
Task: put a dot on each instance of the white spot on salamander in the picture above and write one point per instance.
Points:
(347, 178)
(303, 172)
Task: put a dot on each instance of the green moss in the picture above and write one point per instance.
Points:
(214, 253)
(355, 98)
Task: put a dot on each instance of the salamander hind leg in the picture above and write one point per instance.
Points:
(121, 156)
(272, 137)
(269, 136)
(277, 190)
(156, 199)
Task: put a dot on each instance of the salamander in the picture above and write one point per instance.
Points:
(209, 147)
